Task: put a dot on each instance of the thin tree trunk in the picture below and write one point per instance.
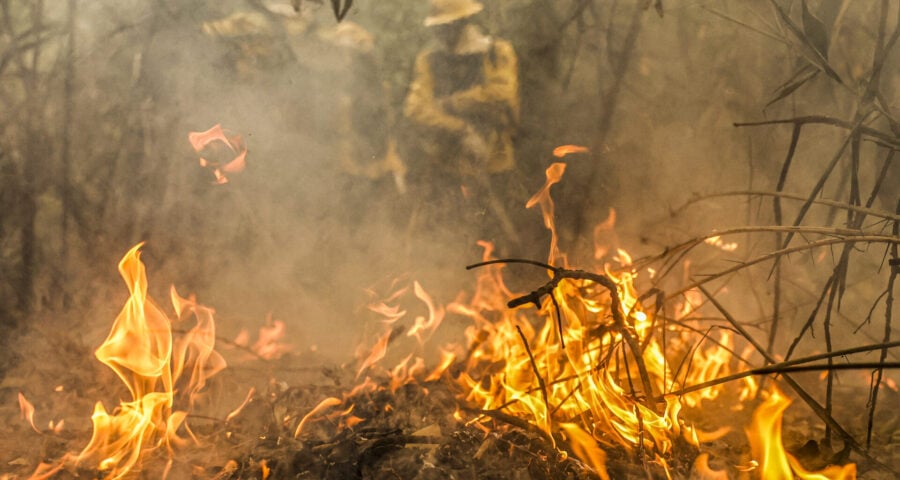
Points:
(29, 251)
(607, 111)
(65, 177)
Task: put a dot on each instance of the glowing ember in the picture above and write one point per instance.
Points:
(717, 242)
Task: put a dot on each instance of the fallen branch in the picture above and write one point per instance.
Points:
(537, 372)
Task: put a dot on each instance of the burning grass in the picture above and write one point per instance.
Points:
(583, 377)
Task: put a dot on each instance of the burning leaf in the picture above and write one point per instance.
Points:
(563, 150)
(213, 140)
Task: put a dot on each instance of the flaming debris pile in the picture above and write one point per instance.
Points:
(583, 377)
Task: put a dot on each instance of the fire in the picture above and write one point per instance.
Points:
(581, 378)
(163, 373)
(27, 410)
(717, 242)
(585, 367)
(563, 150)
(324, 405)
(569, 368)
(702, 470)
(576, 377)
(269, 345)
(215, 138)
(765, 443)
(542, 197)
(709, 364)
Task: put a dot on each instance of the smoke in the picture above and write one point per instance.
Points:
(301, 234)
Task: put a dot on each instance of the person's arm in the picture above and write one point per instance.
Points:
(499, 94)
(422, 107)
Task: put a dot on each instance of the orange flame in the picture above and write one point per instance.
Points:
(585, 447)
(702, 470)
(269, 343)
(27, 410)
(605, 238)
(243, 404)
(542, 197)
(321, 407)
(425, 326)
(377, 352)
(765, 443)
(141, 350)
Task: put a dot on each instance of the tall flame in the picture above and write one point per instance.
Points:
(141, 350)
(542, 197)
(570, 369)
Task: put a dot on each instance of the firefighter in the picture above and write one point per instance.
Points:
(262, 40)
(463, 109)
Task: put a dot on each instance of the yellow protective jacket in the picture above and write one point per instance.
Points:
(476, 88)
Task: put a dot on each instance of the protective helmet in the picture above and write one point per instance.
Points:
(449, 11)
